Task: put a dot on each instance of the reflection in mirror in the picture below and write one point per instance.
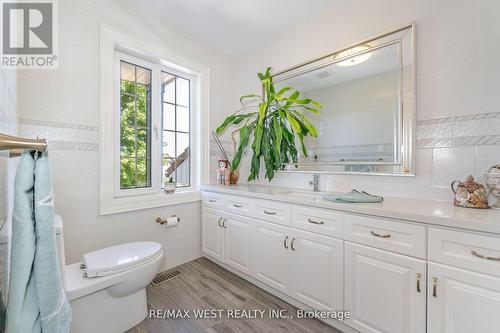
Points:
(366, 92)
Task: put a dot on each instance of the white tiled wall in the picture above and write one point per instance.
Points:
(457, 84)
(63, 106)
(8, 125)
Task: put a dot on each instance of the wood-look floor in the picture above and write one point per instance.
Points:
(206, 285)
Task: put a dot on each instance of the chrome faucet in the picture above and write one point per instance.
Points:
(315, 182)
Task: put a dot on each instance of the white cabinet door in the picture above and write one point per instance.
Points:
(318, 268)
(461, 301)
(272, 255)
(212, 234)
(384, 291)
(237, 242)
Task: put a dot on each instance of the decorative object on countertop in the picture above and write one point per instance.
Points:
(169, 185)
(273, 127)
(221, 171)
(492, 180)
(235, 174)
(354, 196)
(470, 194)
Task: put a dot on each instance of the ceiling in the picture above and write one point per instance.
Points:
(233, 26)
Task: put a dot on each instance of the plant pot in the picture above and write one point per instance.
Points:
(235, 174)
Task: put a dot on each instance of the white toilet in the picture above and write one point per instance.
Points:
(107, 290)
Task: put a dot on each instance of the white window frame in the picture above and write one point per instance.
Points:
(115, 46)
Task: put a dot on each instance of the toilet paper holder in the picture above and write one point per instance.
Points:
(162, 222)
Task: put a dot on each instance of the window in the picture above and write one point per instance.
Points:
(152, 123)
(175, 128)
(155, 122)
(135, 126)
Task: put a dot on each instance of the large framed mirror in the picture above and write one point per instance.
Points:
(367, 120)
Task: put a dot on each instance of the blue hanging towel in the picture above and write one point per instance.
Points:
(36, 302)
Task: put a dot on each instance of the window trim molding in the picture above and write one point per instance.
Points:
(110, 202)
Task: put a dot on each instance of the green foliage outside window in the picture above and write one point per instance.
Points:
(134, 135)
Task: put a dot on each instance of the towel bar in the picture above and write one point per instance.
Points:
(15, 145)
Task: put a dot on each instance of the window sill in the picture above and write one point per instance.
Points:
(138, 202)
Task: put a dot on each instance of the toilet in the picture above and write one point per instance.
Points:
(107, 289)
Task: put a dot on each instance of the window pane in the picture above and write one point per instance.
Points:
(168, 85)
(135, 123)
(182, 145)
(176, 125)
(127, 138)
(143, 146)
(143, 76)
(168, 169)
(143, 107)
(127, 173)
(168, 144)
(143, 174)
(127, 71)
(127, 105)
(182, 172)
(182, 92)
(182, 119)
(168, 117)
(178, 169)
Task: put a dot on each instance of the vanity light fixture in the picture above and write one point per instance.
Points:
(353, 60)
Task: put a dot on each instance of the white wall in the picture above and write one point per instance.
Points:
(457, 75)
(8, 125)
(62, 105)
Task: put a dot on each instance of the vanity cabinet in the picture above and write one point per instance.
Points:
(212, 242)
(302, 264)
(461, 301)
(317, 270)
(227, 238)
(393, 276)
(384, 291)
(272, 255)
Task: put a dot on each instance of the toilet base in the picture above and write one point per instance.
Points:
(100, 312)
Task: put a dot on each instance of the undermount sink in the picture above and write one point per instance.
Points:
(306, 194)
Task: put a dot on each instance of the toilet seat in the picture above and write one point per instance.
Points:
(119, 258)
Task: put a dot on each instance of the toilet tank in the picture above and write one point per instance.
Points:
(60, 245)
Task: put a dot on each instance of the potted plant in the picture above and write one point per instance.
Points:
(169, 185)
(273, 128)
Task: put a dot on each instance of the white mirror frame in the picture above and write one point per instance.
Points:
(405, 160)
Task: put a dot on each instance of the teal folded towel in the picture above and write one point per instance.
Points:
(354, 196)
(36, 302)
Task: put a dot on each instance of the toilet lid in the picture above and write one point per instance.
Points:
(114, 259)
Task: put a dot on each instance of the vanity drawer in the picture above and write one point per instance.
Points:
(272, 211)
(238, 205)
(213, 200)
(477, 252)
(394, 236)
(321, 221)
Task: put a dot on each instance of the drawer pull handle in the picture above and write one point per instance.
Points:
(434, 286)
(474, 253)
(224, 224)
(269, 213)
(212, 200)
(379, 235)
(314, 221)
(237, 205)
(218, 222)
(418, 282)
(291, 244)
(284, 242)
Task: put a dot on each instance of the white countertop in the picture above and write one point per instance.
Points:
(432, 212)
